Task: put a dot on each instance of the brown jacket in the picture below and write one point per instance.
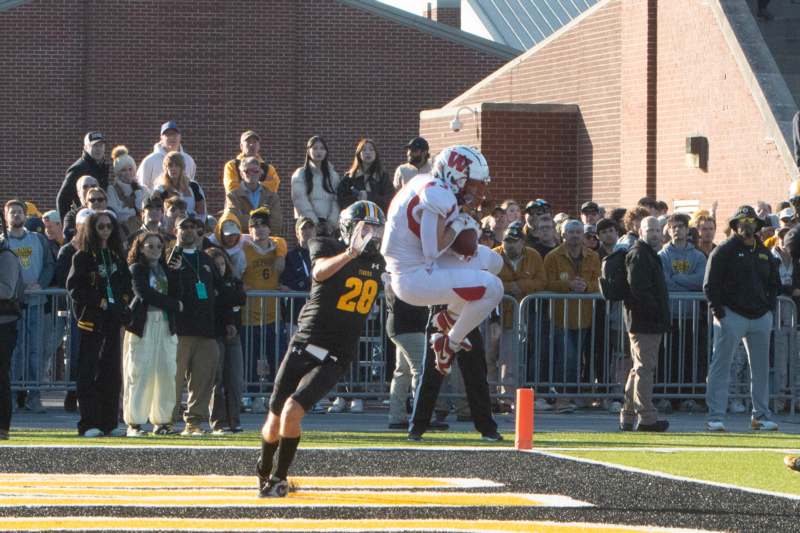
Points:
(238, 202)
(560, 269)
(529, 276)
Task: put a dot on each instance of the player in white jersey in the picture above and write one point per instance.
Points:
(422, 242)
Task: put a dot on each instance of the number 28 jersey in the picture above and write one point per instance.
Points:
(337, 308)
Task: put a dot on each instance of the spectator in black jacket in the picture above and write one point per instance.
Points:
(230, 367)
(150, 345)
(296, 275)
(647, 317)
(366, 179)
(99, 284)
(741, 285)
(63, 266)
(198, 285)
(92, 163)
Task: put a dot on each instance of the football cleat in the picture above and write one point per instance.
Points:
(445, 351)
(443, 321)
(274, 488)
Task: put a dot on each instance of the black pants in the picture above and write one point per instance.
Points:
(8, 339)
(473, 371)
(99, 379)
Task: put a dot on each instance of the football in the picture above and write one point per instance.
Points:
(465, 243)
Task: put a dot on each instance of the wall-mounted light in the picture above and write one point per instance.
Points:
(697, 152)
(456, 124)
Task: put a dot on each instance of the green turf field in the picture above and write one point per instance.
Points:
(752, 469)
(545, 440)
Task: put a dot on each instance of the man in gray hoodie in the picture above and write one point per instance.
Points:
(38, 267)
(684, 268)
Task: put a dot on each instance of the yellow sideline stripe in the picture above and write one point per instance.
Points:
(248, 482)
(239, 498)
(205, 524)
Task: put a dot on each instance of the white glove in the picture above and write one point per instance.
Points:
(360, 238)
(464, 222)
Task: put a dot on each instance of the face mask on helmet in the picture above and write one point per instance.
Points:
(472, 194)
(373, 219)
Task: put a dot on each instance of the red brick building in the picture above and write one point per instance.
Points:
(602, 109)
(285, 68)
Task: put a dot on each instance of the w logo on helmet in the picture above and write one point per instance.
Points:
(459, 162)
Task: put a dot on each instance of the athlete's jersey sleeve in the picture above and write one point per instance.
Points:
(437, 199)
(320, 248)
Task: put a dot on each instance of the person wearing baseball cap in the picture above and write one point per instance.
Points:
(418, 155)
(522, 274)
(574, 269)
(590, 212)
(296, 275)
(152, 166)
(91, 163)
(741, 284)
(590, 237)
(250, 146)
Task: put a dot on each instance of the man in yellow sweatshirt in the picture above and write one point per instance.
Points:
(522, 274)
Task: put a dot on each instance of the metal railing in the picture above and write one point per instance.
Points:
(577, 345)
(561, 344)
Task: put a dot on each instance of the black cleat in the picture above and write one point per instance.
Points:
(659, 426)
(274, 488)
(492, 437)
(415, 437)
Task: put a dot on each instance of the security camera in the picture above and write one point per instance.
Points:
(455, 124)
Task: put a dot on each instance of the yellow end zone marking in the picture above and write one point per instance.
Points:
(8, 481)
(302, 498)
(203, 524)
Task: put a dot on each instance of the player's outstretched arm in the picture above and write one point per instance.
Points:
(326, 267)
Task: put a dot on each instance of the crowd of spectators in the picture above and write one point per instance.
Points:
(138, 251)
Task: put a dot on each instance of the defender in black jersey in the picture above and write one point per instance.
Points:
(345, 283)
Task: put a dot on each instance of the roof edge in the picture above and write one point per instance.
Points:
(518, 60)
(5, 5)
(761, 74)
(436, 29)
(543, 107)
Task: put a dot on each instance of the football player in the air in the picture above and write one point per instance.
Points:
(425, 233)
(345, 282)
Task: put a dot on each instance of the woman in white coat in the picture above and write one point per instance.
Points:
(314, 188)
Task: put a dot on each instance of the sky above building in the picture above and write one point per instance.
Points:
(469, 20)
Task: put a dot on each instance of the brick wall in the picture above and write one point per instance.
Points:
(702, 92)
(447, 15)
(288, 69)
(580, 65)
(531, 149)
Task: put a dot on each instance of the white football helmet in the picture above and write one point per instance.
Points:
(458, 165)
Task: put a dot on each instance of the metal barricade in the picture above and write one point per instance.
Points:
(41, 359)
(589, 337)
(576, 345)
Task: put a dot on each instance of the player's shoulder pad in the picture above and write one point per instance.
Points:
(319, 247)
(437, 197)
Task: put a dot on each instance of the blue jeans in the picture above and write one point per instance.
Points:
(26, 362)
(567, 345)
